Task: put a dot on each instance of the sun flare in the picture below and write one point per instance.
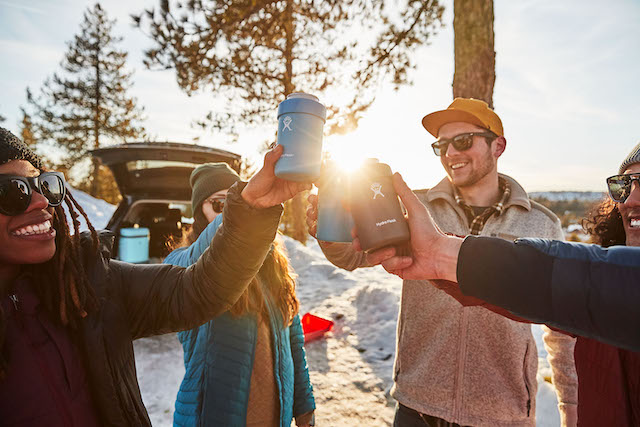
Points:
(347, 151)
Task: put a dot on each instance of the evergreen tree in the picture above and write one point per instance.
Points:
(254, 53)
(475, 57)
(26, 129)
(88, 105)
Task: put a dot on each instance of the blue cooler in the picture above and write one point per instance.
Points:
(133, 245)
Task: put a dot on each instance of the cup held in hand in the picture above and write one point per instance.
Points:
(301, 120)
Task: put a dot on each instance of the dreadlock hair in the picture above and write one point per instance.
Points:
(275, 278)
(604, 224)
(62, 284)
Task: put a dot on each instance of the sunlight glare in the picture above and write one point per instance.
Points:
(347, 151)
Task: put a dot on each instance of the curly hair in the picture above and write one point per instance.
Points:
(62, 284)
(604, 224)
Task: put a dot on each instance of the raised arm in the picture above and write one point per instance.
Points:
(162, 298)
(583, 289)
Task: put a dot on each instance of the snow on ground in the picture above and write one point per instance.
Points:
(350, 368)
(98, 211)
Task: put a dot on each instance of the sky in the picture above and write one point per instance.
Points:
(567, 86)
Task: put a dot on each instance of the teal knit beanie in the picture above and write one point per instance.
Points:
(210, 178)
(633, 157)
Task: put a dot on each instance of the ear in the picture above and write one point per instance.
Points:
(498, 146)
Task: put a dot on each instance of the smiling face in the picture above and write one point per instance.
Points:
(468, 168)
(630, 210)
(26, 238)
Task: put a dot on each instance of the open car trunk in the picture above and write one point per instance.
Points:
(153, 179)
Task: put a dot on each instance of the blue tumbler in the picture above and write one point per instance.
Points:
(301, 118)
(334, 221)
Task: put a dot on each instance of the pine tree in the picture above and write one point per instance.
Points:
(26, 129)
(254, 53)
(88, 105)
(475, 57)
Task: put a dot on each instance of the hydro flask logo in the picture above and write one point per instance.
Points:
(287, 122)
(376, 187)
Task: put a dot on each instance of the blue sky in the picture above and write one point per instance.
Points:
(567, 88)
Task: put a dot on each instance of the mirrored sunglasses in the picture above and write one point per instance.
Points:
(16, 191)
(620, 186)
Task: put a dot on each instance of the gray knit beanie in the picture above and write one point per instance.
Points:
(210, 178)
(633, 157)
(12, 148)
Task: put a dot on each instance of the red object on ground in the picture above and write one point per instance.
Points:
(315, 327)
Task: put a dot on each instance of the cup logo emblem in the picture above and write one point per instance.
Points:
(376, 187)
(287, 123)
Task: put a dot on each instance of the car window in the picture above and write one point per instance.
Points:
(155, 164)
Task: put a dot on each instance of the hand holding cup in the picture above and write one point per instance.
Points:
(265, 189)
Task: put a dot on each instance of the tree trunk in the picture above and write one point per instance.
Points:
(95, 173)
(475, 57)
(298, 226)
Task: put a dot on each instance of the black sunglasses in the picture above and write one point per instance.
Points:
(15, 191)
(217, 204)
(461, 142)
(620, 186)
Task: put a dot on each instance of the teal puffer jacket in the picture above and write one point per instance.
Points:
(218, 359)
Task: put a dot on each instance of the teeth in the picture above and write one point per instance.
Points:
(635, 222)
(29, 230)
(457, 165)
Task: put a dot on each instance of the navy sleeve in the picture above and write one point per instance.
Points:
(581, 289)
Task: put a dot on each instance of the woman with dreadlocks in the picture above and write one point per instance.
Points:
(69, 314)
(246, 367)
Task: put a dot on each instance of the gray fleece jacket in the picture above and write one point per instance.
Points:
(469, 365)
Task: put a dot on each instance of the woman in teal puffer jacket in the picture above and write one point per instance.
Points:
(247, 367)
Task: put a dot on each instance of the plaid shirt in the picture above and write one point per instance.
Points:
(478, 222)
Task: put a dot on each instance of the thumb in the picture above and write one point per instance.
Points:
(272, 157)
(411, 202)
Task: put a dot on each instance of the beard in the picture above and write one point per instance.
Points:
(480, 170)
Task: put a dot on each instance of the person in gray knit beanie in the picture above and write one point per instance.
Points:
(633, 157)
(210, 178)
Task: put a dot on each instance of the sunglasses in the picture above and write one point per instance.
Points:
(461, 142)
(15, 191)
(620, 186)
(217, 204)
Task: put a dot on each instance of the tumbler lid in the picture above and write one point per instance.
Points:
(300, 102)
(302, 95)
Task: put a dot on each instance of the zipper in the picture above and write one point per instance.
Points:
(526, 381)
(16, 302)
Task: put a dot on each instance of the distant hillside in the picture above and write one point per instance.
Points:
(570, 206)
(590, 196)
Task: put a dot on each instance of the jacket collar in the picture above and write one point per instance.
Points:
(444, 190)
